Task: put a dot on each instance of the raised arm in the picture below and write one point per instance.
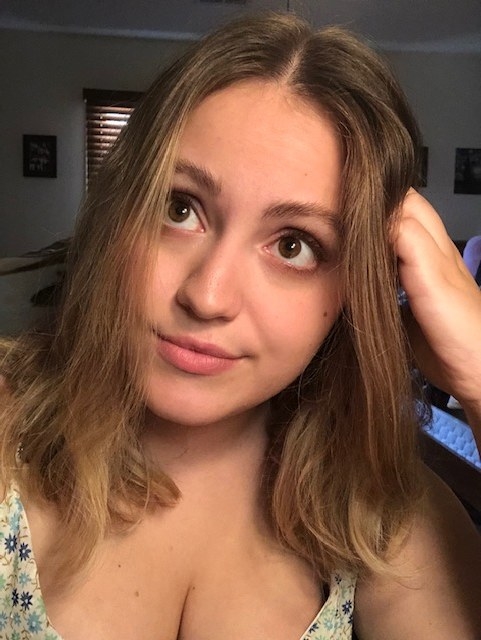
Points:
(444, 322)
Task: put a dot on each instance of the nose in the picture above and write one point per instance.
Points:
(211, 288)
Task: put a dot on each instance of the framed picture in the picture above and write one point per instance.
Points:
(467, 177)
(39, 156)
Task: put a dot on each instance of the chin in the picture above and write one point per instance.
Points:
(173, 410)
(199, 414)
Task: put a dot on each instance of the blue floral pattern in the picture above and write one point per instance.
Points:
(22, 610)
(334, 620)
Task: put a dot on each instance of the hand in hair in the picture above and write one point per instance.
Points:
(444, 321)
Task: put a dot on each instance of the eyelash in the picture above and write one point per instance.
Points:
(297, 233)
(184, 200)
(304, 235)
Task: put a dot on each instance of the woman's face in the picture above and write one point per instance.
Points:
(245, 285)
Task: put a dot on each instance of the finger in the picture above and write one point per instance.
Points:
(423, 242)
(418, 208)
(422, 264)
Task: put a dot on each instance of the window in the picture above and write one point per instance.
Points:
(107, 112)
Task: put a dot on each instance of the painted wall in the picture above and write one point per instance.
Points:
(42, 76)
(445, 92)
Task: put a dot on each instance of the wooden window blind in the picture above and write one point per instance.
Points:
(107, 112)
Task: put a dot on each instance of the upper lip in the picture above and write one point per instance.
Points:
(186, 342)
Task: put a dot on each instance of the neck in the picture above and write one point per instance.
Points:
(176, 447)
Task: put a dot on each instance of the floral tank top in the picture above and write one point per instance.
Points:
(22, 610)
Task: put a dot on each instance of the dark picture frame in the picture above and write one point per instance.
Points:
(467, 176)
(39, 156)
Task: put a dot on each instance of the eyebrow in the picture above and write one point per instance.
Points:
(200, 176)
(294, 209)
(281, 210)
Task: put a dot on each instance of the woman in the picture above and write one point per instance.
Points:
(218, 437)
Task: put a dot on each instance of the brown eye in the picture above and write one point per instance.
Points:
(289, 247)
(298, 249)
(182, 214)
(179, 211)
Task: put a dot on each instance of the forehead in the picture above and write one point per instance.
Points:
(260, 134)
(260, 104)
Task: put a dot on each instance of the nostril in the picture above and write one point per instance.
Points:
(208, 295)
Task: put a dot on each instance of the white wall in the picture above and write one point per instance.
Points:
(445, 92)
(42, 76)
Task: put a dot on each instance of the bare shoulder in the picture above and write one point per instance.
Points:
(439, 592)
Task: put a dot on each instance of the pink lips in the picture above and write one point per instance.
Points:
(192, 356)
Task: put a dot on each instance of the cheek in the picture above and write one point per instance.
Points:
(301, 326)
(317, 331)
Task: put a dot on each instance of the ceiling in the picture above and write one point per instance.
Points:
(418, 25)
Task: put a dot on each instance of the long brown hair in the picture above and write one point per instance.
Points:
(342, 470)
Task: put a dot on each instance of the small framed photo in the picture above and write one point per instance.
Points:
(39, 156)
(467, 178)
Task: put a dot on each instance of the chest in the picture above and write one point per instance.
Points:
(175, 578)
